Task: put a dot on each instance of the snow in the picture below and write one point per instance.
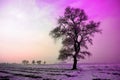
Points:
(59, 72)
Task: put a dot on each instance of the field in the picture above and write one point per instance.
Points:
(59, 72)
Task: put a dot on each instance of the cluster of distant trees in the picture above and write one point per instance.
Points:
(33, 62)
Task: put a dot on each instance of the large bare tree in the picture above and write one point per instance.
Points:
(76, 31)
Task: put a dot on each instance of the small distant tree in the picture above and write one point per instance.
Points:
(76, 31)
(25, 62)
(39, 62)
(33, 61)
(44, 62)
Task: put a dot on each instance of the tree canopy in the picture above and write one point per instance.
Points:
(76, 31)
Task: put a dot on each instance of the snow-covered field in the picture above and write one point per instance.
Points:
(59, 72)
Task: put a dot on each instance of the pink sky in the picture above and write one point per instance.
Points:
(25, 27)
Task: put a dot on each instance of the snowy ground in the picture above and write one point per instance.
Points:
(60, 72)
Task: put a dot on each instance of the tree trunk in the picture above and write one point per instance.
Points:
(74, 63)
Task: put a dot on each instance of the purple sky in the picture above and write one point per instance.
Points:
(25, 25)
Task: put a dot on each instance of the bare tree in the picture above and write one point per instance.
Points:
(75, 31)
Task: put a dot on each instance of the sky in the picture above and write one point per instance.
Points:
(25, 27)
